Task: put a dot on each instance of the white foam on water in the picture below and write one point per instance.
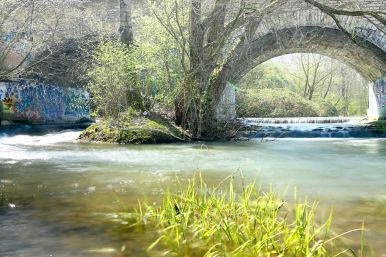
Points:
(300, 139)
(14, 149)
(303, 120)
(13, 154)
(47, 139)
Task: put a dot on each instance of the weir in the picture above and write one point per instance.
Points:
(303, 120)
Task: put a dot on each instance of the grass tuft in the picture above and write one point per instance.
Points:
(199, 220)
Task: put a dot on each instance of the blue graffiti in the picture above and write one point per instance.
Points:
(43, 102)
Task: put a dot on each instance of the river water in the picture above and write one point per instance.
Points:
(59, 196)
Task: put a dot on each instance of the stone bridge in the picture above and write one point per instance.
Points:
(299, 27)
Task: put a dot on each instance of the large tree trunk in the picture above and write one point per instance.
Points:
(188, 103)
(125, 26)
(195, 107)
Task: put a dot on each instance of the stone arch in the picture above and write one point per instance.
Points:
(362, 55)
(365, 57)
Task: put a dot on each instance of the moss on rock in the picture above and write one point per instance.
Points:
(133, 128)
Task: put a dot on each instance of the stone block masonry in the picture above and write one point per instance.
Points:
(226, 108)
(380, 95)
(42, 103)
(377, 100)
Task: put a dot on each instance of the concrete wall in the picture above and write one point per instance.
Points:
(377, 100)
(42, 103)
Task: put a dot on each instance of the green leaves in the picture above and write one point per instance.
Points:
(199, 220)
(114, 80)
(274, 102)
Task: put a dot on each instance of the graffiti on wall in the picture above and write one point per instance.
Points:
(380, 91)
(42, 103)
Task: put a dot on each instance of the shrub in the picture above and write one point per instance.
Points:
(281, 102)
(113, 80)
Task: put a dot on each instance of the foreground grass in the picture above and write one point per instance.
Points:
(213, 221)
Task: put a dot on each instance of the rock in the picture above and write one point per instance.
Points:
(132, 128)
(5, 123)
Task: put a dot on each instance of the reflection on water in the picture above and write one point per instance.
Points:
(59, 196)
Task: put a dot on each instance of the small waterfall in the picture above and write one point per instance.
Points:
(308, 127)
(49, 139)
(303, 120)
(33, 135)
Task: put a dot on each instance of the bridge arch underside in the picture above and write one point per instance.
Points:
(363, 56)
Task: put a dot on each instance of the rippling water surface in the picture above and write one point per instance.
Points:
(58, 196)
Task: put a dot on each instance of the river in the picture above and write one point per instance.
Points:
(59, 196)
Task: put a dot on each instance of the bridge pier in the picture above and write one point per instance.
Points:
(225, 110)
(377, 100)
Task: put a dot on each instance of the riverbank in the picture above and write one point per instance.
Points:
(134, 128)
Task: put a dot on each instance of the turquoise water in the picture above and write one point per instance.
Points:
(59, 196)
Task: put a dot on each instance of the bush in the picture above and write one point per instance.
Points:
(281, 102)
(114, 85)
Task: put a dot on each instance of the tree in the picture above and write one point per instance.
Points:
(377, 18)
(113, 80)
(211, 43)
(15, 23)
(125, 23)
(218, 40)
(317, 75)
(160, 59)
(334, 88)
(32, 30)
